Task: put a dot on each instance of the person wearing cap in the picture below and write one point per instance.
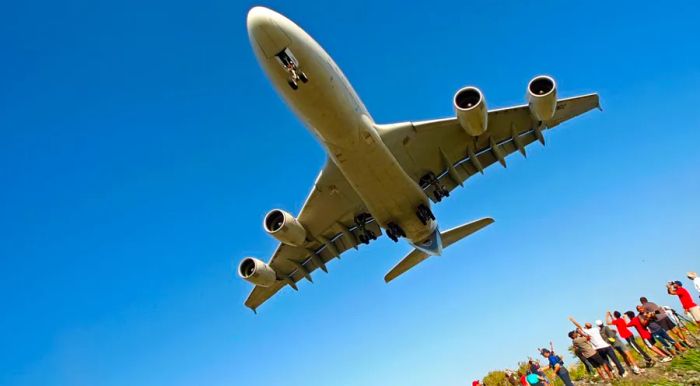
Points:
(691, 309)
(624, 332)
(695, 279)
(603, 348)
(611, 337)
(557, 365)
(583, 345)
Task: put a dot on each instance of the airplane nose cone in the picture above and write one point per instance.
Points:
(264, 31)
(258, 17)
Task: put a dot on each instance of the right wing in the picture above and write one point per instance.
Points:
(328, 216)
(443, 148)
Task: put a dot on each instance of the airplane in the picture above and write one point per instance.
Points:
(380, 178)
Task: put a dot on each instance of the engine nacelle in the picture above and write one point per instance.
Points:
(471, 110)
(257, 272)
(542, 98)
(284, 227)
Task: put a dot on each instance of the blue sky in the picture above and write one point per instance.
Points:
(135, 173)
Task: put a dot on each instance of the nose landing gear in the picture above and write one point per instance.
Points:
(365, 235)
(291, 65)
(439, 191)
(394, 232)
(424, 214)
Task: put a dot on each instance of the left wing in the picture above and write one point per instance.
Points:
(328, 216)
(443, 148)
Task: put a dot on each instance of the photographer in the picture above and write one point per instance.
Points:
(691, 309)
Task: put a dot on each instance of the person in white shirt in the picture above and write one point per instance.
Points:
(601, 346)
(696, 280)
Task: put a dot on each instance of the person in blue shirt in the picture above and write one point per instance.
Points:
(557, 364)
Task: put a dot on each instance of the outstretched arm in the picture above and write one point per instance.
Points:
(608, 317)
(571, 318)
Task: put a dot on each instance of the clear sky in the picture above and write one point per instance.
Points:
(140, 149)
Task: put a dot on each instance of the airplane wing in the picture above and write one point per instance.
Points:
(328, 216)
(442, 147)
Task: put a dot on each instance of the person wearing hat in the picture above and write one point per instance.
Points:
(604, 349)
(691, 309)
(696, 280)
(557, 365)
(611, 337)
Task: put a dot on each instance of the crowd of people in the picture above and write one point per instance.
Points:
(662, 330)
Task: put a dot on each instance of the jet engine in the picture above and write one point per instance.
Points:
(471, 110)
(542, 98)
(257, 272)
(285, 228)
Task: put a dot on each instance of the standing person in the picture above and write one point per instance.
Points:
(603, 348)
(691, 309)
(635, 322)
(582, 344)
(621, 326)
(696, 280)
(557, 365)
(611, 338)
(661, 335)
(663, 320)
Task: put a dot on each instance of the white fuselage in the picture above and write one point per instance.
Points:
(330, 108)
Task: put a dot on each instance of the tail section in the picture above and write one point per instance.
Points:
(448, 237)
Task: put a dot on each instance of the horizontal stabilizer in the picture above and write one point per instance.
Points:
(448, 237)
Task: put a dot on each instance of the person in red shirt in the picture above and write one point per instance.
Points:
(621, 326)
(691, 309)
(633, 321)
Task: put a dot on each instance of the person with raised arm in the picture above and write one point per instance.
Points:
(556, 364)
(603, 348)
(624, 332)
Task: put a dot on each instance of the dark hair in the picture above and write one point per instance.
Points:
(617, 314)
(643, 299)
(629, 314)
(571, 334)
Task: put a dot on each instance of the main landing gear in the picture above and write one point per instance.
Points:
(424, 214)
(439, 191)
(365, 234)
(394, 232)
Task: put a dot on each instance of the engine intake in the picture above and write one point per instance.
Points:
(257, 272)
(542, 97)
(285, 228)
(470, 107)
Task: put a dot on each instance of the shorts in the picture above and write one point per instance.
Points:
(694, 313)
(666, 323)
(596, 360)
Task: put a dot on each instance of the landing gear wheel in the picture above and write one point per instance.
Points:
(303, 77)
(424, 214)
(293, 84)
(371, 235)
(394, 231)
(363, 239)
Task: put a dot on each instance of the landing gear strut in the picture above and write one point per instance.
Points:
(295, 72)
(424, 214)
(439, 191)
(365, 234)
(394, 232)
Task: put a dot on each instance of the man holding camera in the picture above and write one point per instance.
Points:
(691, 309)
